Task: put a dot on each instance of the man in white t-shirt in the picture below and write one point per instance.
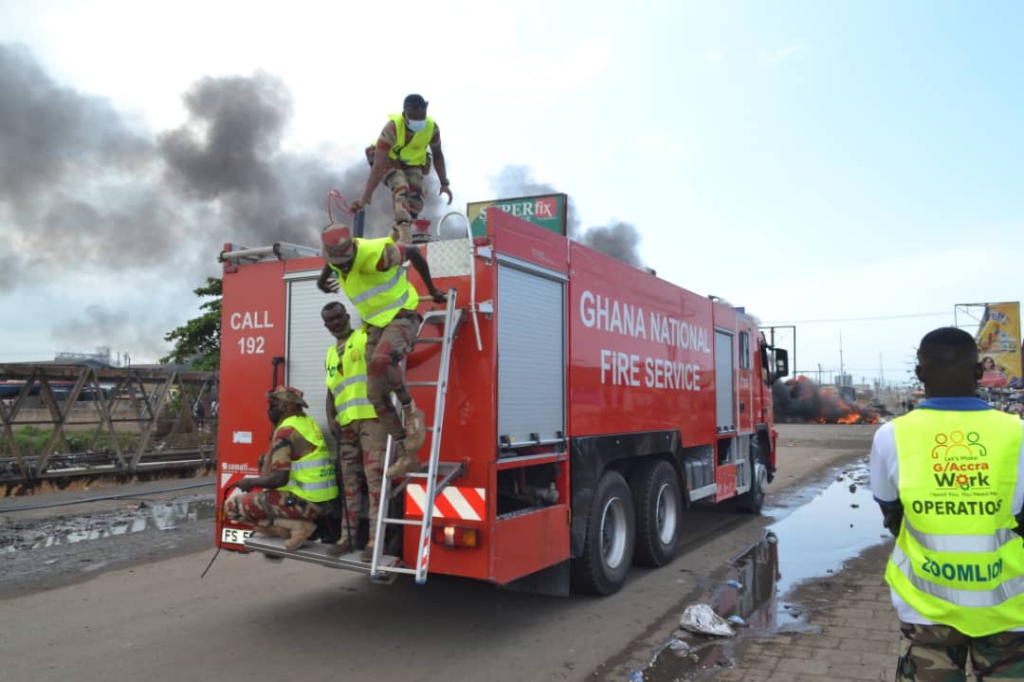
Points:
(949, 477)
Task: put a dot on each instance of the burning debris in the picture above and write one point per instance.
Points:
(801, 401)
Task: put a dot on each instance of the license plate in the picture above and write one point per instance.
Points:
(234, 536)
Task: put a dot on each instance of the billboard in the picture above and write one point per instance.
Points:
(547, 211)
(999, 346)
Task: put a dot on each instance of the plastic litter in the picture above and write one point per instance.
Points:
(637, 676)
(679, 646)
(702, 619)
(735, 583)
(737, 620)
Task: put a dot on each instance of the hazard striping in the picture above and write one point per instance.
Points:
(469, 504)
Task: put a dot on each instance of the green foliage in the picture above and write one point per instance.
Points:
(31, 440)
(197, 342)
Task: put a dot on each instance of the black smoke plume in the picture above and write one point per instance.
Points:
(83, 185)
(619, 240)
(801, 401)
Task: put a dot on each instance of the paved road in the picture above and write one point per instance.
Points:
(249, 619)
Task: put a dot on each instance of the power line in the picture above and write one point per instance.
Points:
(858, 319)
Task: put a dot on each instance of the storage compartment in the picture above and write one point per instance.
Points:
(531, 356)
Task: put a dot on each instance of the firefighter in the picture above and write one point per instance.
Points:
(949, 477)
(372, 274)
(401, 160)
(297, 475)
(354, 425)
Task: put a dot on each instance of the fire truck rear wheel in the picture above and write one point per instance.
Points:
(611, 538)
(657, 499)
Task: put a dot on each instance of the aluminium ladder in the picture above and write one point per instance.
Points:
(438, 474)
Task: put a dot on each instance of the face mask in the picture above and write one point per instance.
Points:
(416, 126)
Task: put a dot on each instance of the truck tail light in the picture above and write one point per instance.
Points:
(455, 536)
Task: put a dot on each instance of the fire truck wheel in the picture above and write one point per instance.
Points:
(657, 499)
(752, 500)
(611, 538)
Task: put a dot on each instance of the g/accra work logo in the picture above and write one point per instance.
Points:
(956, 464)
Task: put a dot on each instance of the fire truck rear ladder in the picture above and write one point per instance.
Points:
(438, 474)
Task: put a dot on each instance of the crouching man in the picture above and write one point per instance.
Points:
(297, 475)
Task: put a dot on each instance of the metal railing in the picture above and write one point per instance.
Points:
(63, 421)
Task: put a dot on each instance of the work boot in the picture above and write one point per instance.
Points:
(415, 429)
(300, 532)
(342, 546)
(273, 531)
(367, 554)
(404, 461)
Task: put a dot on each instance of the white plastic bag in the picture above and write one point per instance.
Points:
(702, 619)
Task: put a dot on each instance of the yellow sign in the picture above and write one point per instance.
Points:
(999, 346)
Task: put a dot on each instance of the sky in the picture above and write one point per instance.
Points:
(851, 169)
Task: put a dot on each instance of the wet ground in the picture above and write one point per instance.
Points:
(813, 534)
(53, 546)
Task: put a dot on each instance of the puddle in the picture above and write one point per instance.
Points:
(809, 541)
(134, 519)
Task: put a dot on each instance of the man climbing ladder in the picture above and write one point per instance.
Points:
(371, 273)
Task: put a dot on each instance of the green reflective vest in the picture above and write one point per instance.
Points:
(378, 296)
(956, 560)
(313, 476)
(346, 379)
(414, 153)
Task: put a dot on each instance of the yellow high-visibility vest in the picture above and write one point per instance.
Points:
(414, 153)
(378, 296)
(957, 560)
(313, 476)
(346, 379)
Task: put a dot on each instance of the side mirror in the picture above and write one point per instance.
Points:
(781, 363)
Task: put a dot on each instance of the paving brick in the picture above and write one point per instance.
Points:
(856, 672)
(765, 663)
(818, 642)
(802, 666)
(849, 633)
(839, 657)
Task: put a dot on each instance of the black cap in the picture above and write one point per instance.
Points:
(415, 102)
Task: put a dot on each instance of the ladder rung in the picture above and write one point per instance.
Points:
(396, 569)
(414, 384)
(430, 339)
(404, 522)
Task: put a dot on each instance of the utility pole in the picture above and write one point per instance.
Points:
(819, 374)
(842, 369)
(881, 374)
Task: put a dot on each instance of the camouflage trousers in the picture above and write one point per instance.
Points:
(939, 653)
(362, 446)
(386, 349)
(261, 508)
(406, 185)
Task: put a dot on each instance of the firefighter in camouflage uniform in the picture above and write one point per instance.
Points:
(297, 475)
(354, 424)
(372, 274)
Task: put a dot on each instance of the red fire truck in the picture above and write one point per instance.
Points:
(585, 404)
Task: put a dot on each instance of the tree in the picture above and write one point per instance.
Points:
(197, 342)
